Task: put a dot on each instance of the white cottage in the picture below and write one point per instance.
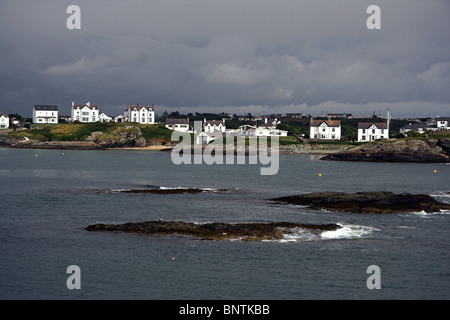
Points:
(140, 114)
(371, 131)
(45, 114)
(211, 126)
(103, 117)
(4, 121)
(181, 125)
(325, 129)
(85, 112)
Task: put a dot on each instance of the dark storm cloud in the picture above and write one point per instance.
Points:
(233, 56)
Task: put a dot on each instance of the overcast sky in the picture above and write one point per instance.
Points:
(235, 56)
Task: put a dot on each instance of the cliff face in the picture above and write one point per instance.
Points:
(421, 151)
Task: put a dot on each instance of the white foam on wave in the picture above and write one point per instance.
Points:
(348, 231)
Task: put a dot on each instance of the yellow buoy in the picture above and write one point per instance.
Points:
(435, 171)
(320, 174)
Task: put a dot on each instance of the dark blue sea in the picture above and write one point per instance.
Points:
(48, 197)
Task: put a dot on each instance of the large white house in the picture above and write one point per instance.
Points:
(85, 112)
(325, 129)
(211, 126)
(140, 114)
(4, 121)
(45, 114)
(181, 125)
(371, 131)
(443, 123)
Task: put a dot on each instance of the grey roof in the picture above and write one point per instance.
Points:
(46, 107)
(177, 121)
(367, 125)
(414, 126)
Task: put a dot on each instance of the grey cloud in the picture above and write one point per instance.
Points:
(227, 55)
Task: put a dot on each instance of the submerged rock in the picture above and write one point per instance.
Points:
(167, 190)
(366, 202)
(216, 230)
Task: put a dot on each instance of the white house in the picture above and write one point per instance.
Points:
(443, 123)
(103, 117)
(325, 129)
(140, 114)
(181, 125)
(45, 114)
(251, 131)
(270, 132)
(85, 113)
(370, 131)
(214, 126)
(4, 121)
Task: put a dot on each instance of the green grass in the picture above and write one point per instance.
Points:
(79, 132)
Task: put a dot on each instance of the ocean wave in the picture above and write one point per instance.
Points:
(348, 231)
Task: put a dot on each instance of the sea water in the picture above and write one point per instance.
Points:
(48, 197)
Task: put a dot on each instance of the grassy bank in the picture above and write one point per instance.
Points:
(79, 132)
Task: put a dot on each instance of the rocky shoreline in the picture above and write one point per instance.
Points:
(215, 231)
(366, 202)
(402, 150)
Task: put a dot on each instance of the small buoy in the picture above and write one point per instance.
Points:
(173, 258)
(35, 155)
(435, 171)
(320, 174)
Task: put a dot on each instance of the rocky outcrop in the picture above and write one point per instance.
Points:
(216, 230)
(127, 136)
(403, 150)
(123, 137)
(61, 145)
(366, 202)
(166, 190)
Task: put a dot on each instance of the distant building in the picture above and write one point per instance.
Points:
(418, 127)
(252, 131)
(371, 131)
(325, 129)
(214, 126)
(181, 125)
(119, 118)
(339, 115)
(140, 114)
(103, 117)
(269, 123)
(85, 112)
(45, 114)
(4, 120)
(297, 115)
(443, 123)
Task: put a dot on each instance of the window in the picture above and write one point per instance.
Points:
(364, 131)
(373, 131)
(323, 129)
(332, 129)
(363, 138)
